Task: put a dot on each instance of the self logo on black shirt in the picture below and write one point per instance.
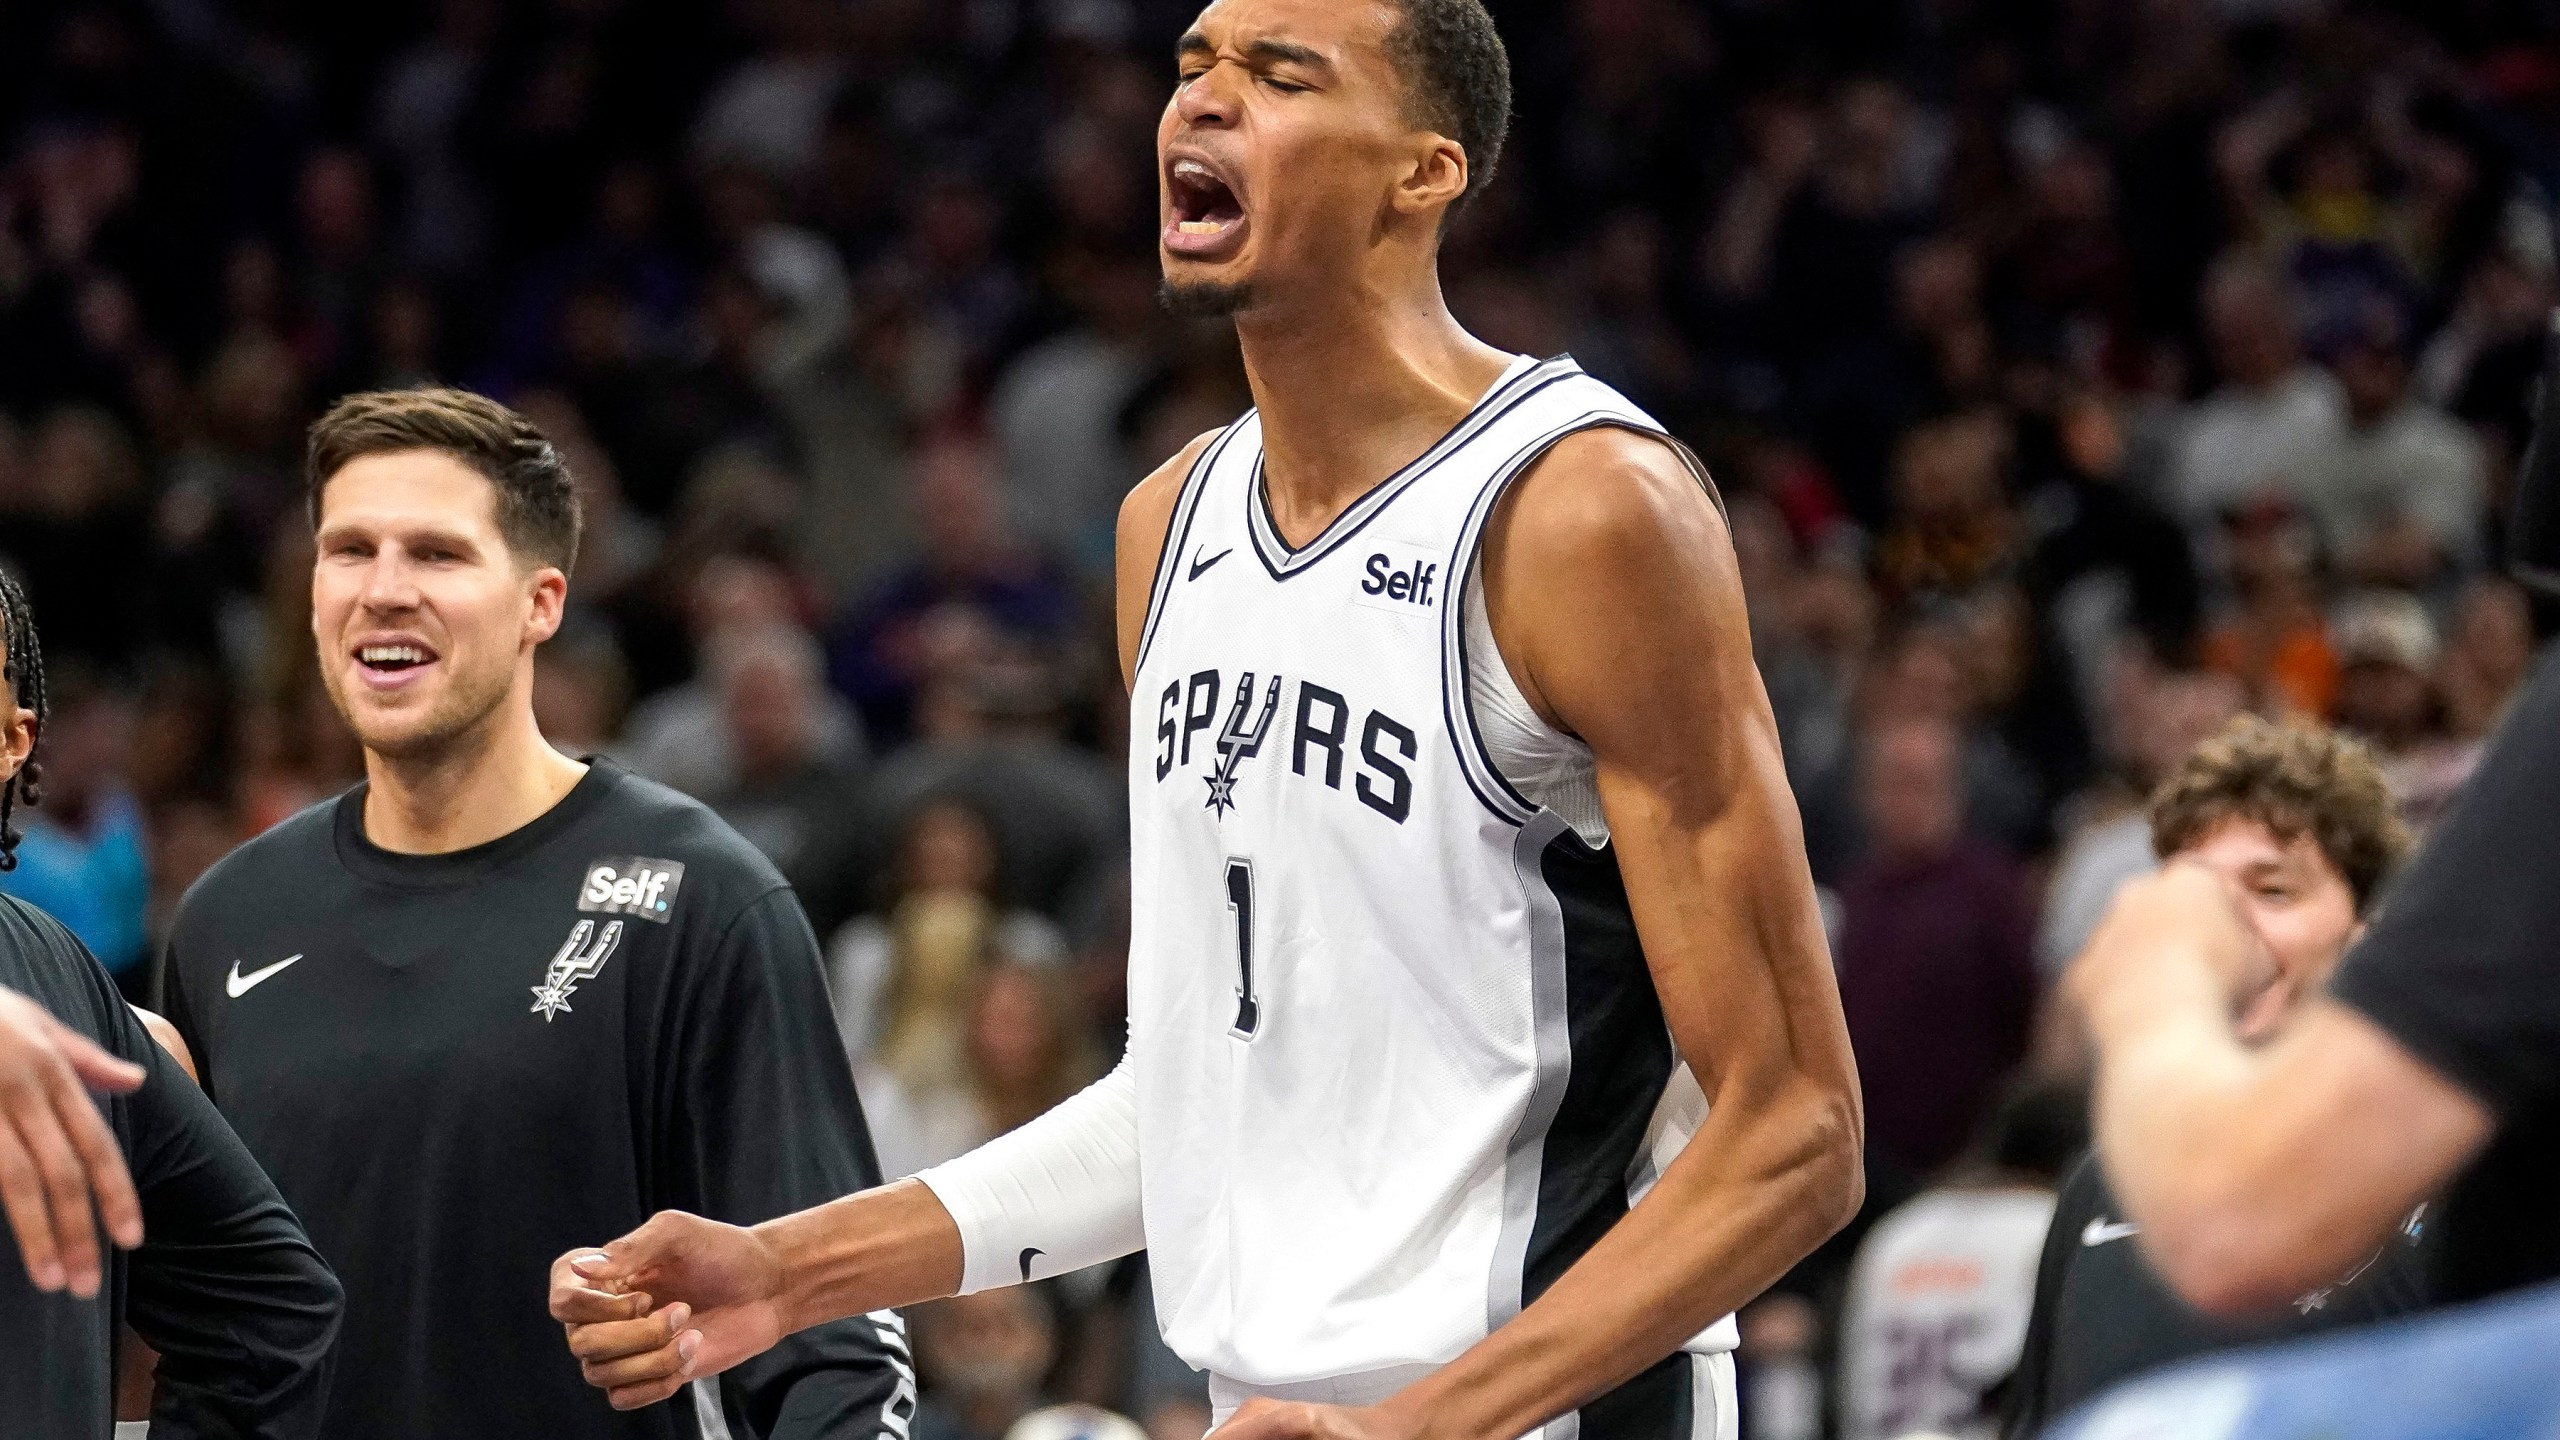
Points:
(632, 885)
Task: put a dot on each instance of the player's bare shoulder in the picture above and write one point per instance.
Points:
(1612, 588)
(1146, 512)
(1606, 495)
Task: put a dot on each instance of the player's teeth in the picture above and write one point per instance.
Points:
(1199, 227)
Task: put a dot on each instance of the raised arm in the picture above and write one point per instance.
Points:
(1614, 596)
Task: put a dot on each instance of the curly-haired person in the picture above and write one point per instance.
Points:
(2300, 825)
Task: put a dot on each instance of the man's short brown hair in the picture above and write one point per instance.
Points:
(2294, 779)
(537, 501)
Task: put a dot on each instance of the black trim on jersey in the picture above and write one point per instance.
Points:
(1660, 1404)
(1620, 1061)
(1457, 705)
(1501, 400)
(1178, 534)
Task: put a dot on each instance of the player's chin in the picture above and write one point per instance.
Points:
(395, 731)
(1193, 289)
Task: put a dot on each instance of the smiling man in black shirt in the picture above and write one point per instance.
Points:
(495, 1000)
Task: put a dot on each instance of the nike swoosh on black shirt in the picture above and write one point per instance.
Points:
(1198, 565)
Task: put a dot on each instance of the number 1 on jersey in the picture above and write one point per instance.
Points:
(1240, 900)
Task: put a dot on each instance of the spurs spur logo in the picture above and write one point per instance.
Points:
(578, 960)
(1238, 743)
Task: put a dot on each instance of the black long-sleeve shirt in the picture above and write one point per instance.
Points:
(459, 1066)
(225, 1284)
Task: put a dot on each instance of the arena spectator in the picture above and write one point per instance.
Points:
(881, 651)
(680, 735)
(2399, 494)
(984, 1359)
(1939, 1298)
(2160, 715)
(2274, 414)
(1937, 974)
(791, 795)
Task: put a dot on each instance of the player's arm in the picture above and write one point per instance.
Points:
(683, 1296)
(135, 1360)
(2255, 1174)
(224, 1285)
(756, 1118)
(1615, 598)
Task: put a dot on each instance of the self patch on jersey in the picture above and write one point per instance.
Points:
(1401, 579)
(632, 885)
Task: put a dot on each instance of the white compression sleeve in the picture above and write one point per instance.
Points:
(1056, 1195)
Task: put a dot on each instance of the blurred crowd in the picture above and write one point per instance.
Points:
(2078, 375)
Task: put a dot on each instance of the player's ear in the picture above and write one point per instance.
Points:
(550, 598)
(1436, 177)
(17, 735)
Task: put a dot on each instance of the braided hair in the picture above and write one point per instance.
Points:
(23, 669)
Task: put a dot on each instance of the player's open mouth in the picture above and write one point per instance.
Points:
(1208, 220)
(389, 663)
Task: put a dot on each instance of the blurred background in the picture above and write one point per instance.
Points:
(2079, 373)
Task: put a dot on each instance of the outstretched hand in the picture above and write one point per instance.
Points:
(675, 1300)
(56, 1153)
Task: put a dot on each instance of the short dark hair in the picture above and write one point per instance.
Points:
(2295, 779)
(1454, 64)
(537, 500)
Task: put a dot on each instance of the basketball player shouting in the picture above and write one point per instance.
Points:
(1483, 1049)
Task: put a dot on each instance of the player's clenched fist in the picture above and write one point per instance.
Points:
(677, 1299)
(55, 1149)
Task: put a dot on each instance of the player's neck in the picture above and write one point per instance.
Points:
(1351, 390)
(488, 782)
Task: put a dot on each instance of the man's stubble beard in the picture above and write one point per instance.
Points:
(462, 712)
(1205, 299)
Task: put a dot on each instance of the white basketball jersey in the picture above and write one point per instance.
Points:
(1398, 1058)
(1937, 1310)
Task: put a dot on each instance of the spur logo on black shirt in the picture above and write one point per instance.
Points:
(579, 959)
(632, 885)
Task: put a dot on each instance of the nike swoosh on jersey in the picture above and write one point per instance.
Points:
(2101, 1230)
(1198, 566)
(237, 984)
(1027, 1254)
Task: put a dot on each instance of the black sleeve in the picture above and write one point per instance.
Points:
(225, 1286)
(175, 1003)
(2459, 965)
(762, 1122)
(2025, 1408)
